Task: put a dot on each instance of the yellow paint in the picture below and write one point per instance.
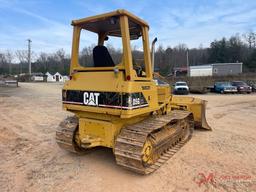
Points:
(100, 126)
(195, 105)
(148, 154)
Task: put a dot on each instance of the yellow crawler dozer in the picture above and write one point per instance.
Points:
(120, 105)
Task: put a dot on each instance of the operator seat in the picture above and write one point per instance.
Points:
(101, 57)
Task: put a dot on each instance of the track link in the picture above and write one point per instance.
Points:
(66, 133)
(170, 132)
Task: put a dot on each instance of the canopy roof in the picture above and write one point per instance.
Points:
(109, 23)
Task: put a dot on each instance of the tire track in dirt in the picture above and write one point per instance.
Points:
(31, 161)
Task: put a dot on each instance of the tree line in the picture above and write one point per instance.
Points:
(237, 48)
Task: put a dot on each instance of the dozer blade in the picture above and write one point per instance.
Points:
(195, 106)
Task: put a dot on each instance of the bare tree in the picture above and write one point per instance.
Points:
(2, 62)
(250, 38)
(43, 60)
(22, 56)
(2, 59)
(85, 56)
(60, 56)
(9, 59)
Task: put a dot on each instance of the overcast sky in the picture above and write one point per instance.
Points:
(193, 22)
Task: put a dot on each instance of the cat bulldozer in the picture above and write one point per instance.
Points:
(122, 105)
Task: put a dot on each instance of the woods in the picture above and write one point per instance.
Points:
(237, 48)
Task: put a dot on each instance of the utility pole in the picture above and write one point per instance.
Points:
(187, 64)
(29, 56)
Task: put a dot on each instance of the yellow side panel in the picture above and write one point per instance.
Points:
(108, 81)
(163, 93)
(97, 133)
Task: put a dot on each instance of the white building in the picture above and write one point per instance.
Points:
(216, 69)
(58, 77)
(65, 78)
(38, 77)
(200, 70)
(50, 77)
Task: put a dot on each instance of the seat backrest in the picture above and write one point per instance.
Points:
(101, 57)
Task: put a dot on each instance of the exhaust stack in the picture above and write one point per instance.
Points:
(153, 54)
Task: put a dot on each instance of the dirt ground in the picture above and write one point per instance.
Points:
(221, 160)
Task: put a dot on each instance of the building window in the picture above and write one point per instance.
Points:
(215, 70)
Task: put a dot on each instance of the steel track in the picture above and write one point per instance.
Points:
(130, 142)
(65, 135)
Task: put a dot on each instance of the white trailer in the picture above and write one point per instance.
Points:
(201, 70)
